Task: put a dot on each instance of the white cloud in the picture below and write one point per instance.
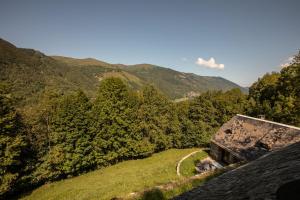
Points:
(287, 62)
(210, 63)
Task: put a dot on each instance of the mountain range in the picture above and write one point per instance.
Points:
(30, 72)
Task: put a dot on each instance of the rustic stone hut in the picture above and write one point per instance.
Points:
(245, 138)
(275, 176)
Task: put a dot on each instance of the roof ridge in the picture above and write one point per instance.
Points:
(267, 121)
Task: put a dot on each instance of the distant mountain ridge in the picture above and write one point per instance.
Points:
(31, 72)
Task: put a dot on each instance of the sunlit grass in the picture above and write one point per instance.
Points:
(179, 187)
(118, 180)
(187, 167)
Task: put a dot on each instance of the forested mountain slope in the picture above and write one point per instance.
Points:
(30, 72)
(177, 84)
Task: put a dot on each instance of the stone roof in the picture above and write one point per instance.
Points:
(249, 138)
(259, 179)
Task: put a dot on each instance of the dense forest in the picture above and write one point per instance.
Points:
(67, 134)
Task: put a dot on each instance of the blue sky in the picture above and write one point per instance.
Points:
(249, 38)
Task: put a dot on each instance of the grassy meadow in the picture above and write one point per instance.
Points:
(118, 180)
(187, 167)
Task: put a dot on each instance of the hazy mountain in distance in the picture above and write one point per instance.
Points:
(30, 72)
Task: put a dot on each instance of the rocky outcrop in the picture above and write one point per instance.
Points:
(275, 175)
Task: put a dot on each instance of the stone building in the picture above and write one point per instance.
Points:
(245, 138)
(274, 176)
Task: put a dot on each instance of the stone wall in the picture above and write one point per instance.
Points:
(222, 154)
(214, 151)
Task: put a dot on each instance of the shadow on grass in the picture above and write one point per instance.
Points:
(207, 151)
(155, 194)
(161, 194)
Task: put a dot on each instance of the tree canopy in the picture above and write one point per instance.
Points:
(277, 95)
(67, 134)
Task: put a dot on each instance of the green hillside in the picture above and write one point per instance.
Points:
(177, 84)
(82, 62)
(118, 180)
(30, 72)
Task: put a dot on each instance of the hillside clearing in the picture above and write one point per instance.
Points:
(118, 180)
(187, 167)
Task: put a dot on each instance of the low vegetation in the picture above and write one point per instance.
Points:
(118, 180)
(187, 167)
(185, 184)
(174, 189)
